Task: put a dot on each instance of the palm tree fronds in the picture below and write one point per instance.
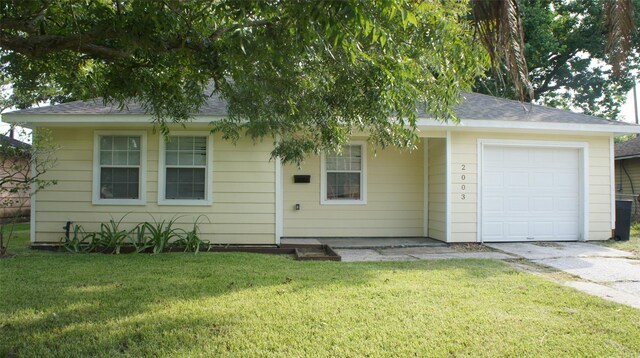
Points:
(620, 24)
(499, 28)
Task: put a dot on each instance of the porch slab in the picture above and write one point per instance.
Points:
(361, 255)
(300, 241)
(379, 242)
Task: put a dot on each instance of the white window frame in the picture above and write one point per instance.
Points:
(162, 200)
(142, 175)
(363, 179)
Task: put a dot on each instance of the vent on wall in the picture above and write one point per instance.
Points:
(302, 178)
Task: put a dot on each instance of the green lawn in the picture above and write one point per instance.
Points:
(66, 305)
(633, 245)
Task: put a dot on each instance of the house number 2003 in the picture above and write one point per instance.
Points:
(463, 186)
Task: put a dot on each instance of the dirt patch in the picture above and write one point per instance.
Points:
(470, 247)
(547, 272)
(547, 244)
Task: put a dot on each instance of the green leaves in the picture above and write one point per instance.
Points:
(307, 73)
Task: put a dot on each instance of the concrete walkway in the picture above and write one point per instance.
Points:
(605, 272)
(416, 253)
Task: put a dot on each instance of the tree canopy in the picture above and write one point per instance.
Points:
(306, 73)
(567, 45)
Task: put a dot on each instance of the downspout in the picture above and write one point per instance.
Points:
(634, 205)
(628, 176)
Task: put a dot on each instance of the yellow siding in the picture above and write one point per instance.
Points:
(628, 182)
(243, 209)
(394, 205)
(464, 151)
(437, 188)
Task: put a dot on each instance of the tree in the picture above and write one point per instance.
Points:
(22, 167)
(567, 45)
(308, 73)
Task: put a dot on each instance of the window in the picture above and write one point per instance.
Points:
(119, 168)
(185, 174)
(343, 176)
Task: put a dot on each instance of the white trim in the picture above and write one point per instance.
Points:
(279, 187)
(422, 123)
(425, 124)
(142, 187)
(583, 148)
(363, 179)
(32, 200)
(478, 191)
(612, 179)
(208, 171)
(585, 191)
(425, 185)
(448, 187)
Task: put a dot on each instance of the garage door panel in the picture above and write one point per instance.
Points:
(493, 229)
(516, 180)
(516, 155)
(567, 228)
(566, 159)
(494, 179)
(519, 229)
(530, 193)
(543, 179)
(517, 204)
(544, 204)
(494, 204)
(543, 156)
(542, 228)
(566, 179)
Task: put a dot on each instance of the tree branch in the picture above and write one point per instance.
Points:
(36, 46)
(560, 60)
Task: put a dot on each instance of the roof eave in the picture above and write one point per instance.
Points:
(615, 129)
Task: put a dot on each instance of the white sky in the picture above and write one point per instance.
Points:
(627, 112)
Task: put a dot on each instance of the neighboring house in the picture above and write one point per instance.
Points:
(14, 168)
(506, 172)
(628, 173)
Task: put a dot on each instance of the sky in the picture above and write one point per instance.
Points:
(627, 112)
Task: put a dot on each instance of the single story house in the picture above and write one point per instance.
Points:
(506, 172)
(14, 169)
(627, 161)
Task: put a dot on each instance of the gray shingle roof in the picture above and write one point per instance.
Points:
(484, 107)
(628, 149)
(474, 106)
(12, 142)
(214, 106)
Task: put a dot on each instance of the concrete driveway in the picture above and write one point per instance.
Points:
(605, 272)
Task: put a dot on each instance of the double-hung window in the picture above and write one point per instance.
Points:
(343, 176)
(185, 171)
(119, 168)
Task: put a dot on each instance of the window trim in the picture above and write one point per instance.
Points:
(208, 171)
(363, 179)
(142, 176)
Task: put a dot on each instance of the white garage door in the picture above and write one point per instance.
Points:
(530, 193)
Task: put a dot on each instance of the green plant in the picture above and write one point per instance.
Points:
(139, 239)
(79, 241)
(111, 235)
(191, 240)
(162, 232)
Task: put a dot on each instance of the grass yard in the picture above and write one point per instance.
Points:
(59, 304)
(633, 245)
